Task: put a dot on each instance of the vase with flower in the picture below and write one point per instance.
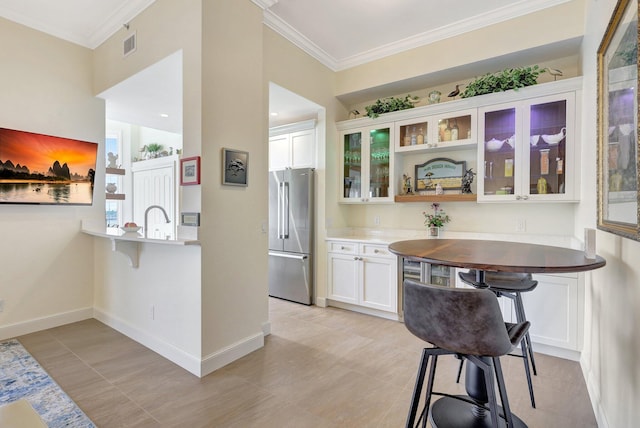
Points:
(436, 220)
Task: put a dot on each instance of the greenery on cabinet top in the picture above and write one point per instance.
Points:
(542, 89)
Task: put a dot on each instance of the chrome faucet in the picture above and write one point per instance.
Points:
(146, 216)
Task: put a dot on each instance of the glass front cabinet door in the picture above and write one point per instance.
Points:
(367, 165)
(527, 150)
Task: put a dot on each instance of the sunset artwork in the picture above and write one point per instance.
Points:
(43, 169)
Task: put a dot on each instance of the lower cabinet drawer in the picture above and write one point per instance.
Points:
(343, 247)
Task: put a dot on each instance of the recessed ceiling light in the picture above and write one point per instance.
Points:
(164, 115)
(274, 113)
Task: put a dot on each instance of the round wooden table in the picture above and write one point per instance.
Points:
(487, 256)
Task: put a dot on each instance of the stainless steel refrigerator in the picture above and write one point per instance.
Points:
(291, 234)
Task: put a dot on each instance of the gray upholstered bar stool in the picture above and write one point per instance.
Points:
(467, 323)
(510, 285)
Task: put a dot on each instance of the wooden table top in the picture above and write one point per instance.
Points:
(497, 255)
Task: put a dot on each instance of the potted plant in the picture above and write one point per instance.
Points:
(153, 149)
(510, 78)
(390, 104)
(436, 220)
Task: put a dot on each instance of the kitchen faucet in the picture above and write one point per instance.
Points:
(146, 212)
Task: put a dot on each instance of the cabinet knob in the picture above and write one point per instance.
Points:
(518, 197)
(343, 248)
(376, 251)
(525, 197)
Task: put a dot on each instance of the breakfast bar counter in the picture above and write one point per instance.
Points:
(127, 243)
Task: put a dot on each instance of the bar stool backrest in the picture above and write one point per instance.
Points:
(465, 321)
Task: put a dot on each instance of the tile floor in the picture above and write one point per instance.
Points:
(320, 367)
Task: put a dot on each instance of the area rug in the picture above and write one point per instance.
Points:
(22, 377)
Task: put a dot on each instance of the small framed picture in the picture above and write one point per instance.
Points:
(190, 171)
(235, 166)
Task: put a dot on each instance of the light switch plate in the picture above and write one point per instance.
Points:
(190, 219)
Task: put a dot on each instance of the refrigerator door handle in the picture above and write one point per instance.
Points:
(290, 256)
(285, 210)
(279, 222)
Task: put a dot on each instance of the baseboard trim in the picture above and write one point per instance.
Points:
(266, 328)
(363, 310)
(321, 302)
(594, 394)
(185, 360)
(221, 358)
(44, 323)
(554, 351)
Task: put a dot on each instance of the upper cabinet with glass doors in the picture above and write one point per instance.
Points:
(367, 164)
(449, 131)
(526, 150)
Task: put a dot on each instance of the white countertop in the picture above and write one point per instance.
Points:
(387, 236)
(133, 237)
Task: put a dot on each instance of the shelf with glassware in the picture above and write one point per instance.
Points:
(112, 185)
(528, 152)
(367, 164)
(449, 131)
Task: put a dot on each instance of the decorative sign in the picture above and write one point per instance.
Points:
(446, 172)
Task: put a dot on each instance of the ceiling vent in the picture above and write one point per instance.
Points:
(129, 45)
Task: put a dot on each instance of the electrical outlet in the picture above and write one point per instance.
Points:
(376, 220)
(521, 225)
(1, 305)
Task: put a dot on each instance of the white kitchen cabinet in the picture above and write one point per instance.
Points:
(555, 310)
(455, 130)
(510, 174)
(527, 150)
(367, 164)
(363, 274)
(292, 146)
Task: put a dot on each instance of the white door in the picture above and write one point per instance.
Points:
(155, 184)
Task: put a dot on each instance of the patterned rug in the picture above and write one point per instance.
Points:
(22, 377)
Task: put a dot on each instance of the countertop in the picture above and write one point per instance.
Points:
(133, 237)
(388, 236)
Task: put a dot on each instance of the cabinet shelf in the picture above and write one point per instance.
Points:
(115, 196)
(458, 197)
(115, 171)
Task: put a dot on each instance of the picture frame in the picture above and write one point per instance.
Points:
(444, 171)
(235, 167)
(618, 161)
(190, 171)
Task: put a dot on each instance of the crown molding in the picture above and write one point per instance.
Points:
(294, 36)
(116, 20)
(265, 4)
(520, 8)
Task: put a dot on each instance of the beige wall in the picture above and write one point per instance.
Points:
(234, 250)
(45, 263)
(611, 355)
(168, 278)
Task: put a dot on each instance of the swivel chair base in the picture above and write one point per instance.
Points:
(453, 412)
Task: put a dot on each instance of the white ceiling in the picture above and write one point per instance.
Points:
(338, 33)
(84, 22)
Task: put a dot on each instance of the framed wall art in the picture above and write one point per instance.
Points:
(235, 167)
(190, 171)
(618, 123)
(446, 172)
